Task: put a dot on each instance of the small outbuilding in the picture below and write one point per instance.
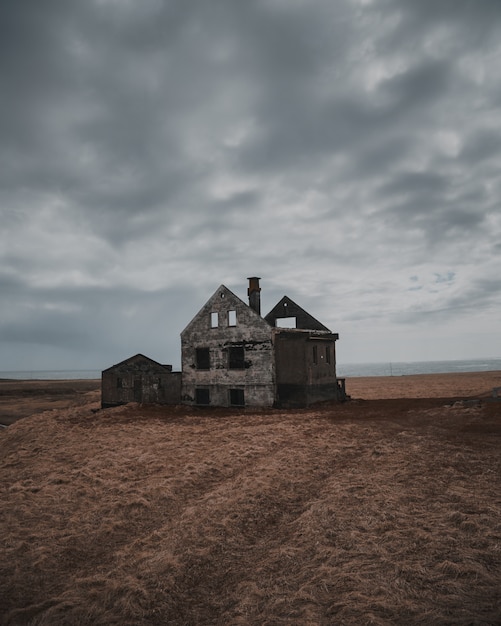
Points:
(140, 379)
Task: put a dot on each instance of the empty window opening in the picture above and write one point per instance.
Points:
(120, 383)
(315, 355)
(214, 320)
(237, 397)
(236, 358)
(328, 354)
(286, 322)
(202, 358)
(232, 318)
(202, 396)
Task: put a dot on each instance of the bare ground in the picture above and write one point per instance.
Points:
(384, 510)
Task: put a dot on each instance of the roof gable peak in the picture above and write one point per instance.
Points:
(287, 308)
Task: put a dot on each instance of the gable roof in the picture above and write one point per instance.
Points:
(138, 358)
(215, 303)
(288, 308)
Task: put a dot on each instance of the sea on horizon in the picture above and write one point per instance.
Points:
(401, 368)
(344, 370)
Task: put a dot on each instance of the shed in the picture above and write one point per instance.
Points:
(140, 379)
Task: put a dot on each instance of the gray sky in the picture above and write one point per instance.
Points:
(347, 151)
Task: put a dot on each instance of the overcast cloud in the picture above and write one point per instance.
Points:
(347, 152)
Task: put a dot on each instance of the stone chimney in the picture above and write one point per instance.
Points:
(254, 293)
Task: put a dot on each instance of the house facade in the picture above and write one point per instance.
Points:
(227, 355)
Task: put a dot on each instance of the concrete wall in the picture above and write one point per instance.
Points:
(256, 378)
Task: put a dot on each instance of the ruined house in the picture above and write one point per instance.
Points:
(231, 356)
(140, 379)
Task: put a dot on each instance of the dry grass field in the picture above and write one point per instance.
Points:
(383, 510)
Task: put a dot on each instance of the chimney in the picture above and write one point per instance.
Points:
(254, 293)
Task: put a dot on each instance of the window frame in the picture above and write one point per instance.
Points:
(199, 392)
(198, 360)
(236, 360)
(237, 397)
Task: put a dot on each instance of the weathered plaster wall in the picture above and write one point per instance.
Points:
(257, 377)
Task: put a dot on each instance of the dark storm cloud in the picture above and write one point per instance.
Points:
(150, 151)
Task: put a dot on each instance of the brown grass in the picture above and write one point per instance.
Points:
(384, 511)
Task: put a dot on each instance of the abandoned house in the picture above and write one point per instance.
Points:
(140, 379)
(232, 356)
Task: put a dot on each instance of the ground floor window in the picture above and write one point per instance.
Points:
(202, 396)
(237, 397)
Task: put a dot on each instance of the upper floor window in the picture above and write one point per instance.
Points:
(214, 320)
(232, 318)
(202, 358)
(328, 354)
(236, 358)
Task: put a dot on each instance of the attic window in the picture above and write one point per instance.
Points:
(286, 322)
(232, 318)
(214, 320)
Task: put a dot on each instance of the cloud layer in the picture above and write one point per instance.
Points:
(348, 153)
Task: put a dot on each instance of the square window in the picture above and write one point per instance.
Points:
(236, 358)
(237, 397)
(214, 320)
(202, 396)
(202, 356)
(232, 318)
